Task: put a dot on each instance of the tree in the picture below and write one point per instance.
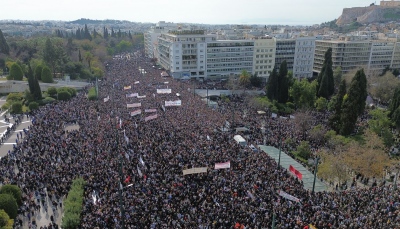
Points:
(244, 79)
(283, 83)
(317, 133)
(50, 54)
(89, 58)
(369, 157)
(4, 48)
(321, 104)
(5, 221)
(337, 77)
(9, 205)
(255, 80)
(303, 150)
(326, 85)
(16, 108)
(38, 72)
(303, 121)
(380, 124)
(272, 85)
(46, 75)
(38, 91)
(16, 72)
(333, 167)
(87, 33)
(79, 56)
(383, 87)
(13, 190)
(303, 93)
(353, 103)
(31, 80)
(334, 120)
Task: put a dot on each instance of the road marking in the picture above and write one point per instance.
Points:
(8, 143)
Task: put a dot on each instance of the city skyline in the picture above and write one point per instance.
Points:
(303, 12)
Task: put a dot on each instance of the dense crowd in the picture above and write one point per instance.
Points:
(151, 156)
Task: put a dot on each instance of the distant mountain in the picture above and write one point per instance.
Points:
(369, 14)
(83, 21)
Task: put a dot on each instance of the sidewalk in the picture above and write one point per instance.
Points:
(286, 161)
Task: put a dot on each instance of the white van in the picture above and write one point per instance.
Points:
(240, 140)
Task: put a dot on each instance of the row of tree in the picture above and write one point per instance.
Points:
(10, 199)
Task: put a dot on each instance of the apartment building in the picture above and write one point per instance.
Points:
(229, 57)
(183, 53)
(151, 41)
(304, 57)
(264, 56)
(285, 50)
(372, 55)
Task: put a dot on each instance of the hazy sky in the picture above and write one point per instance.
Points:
(303, 12)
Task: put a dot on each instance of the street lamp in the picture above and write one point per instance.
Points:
(315, 173)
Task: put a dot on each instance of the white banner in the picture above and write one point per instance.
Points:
(141, 96)
(163, 91)
(150, 118)
(106, 99)
(136, 82)
(225, 165)
(150, 110)
(127, 87)
(195, 170)
(288, 196)
(132, 95)
(137, 112)
(133, 105)
(173, 103)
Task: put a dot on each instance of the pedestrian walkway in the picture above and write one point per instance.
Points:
(286, 161)
(11, 140)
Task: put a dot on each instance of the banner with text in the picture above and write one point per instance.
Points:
(288, 196)
(195, 170)
(164, 91)
(150, 110)
(173, 103)
(127, 87)
(132, 95)
(225, 165)
(150, 118)
(137, 112)
(141, 96)
(133, 105)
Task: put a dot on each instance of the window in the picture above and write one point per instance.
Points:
(177, 68)
(177, 62)
(177, 57)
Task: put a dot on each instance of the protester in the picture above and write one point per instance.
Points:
(151, 155)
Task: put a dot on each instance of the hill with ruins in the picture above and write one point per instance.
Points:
(384, 12)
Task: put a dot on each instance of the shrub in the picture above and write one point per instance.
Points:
(9, 205)
(303, 150)
(5, 221)
(16, 108)
(33, 106)
(13, 190)
(48, 100)
(38, 72)
(64, 95)
(92, 94)
(5, 106)
(321, 104)
(14, 97)
(73, 205)
(52, 91)
(16, 72)
(46, 75)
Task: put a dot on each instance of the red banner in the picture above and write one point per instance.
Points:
(295, 172)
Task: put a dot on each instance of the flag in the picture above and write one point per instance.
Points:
(208, 138)
(287, 196)
(141, 160)
(127, 179)
(136, 82)
(249, 194)
(127, 156)
(120, 123)
(225, 165)
(295, 172)
(138, 170)
(135, 125)
(106, 99)
(312, 226)
(126, 138)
